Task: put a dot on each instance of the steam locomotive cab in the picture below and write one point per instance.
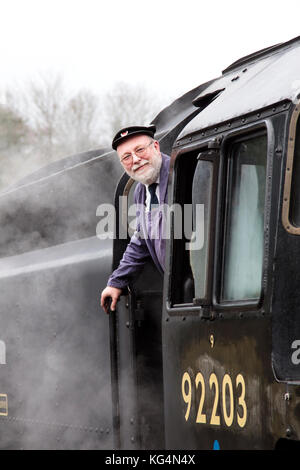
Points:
(229, 354)
(230, 320)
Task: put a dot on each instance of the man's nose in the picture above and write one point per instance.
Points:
(135, 158)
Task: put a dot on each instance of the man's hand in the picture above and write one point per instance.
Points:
(108, 292)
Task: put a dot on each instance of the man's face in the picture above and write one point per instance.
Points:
(141, 158)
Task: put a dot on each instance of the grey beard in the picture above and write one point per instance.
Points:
(151, 176)
(147, 179)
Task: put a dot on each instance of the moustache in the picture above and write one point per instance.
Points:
(137, 166)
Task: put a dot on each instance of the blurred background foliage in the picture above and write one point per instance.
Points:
(44, 122)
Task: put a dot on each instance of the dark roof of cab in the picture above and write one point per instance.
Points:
(254, 82)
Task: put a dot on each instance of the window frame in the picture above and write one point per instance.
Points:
(200, 151)
(213, 157)
(241, 135)
(216, 308)
(287, 192)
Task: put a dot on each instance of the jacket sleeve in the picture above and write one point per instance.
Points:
(134, 258)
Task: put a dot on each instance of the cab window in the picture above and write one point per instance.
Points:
(243, 244)
(195, 188)
(181, 287)
(294, 214)
(200, 240)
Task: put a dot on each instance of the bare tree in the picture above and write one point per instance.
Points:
(126, 105)
(13, 129)
(46, 102)
(44, 122)
(14, 141)
(80, 123)
(62, 123)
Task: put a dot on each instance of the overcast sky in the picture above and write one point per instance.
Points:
(170, 46)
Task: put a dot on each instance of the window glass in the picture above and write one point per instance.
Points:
(199, 246)
(244, 233)
(294, 215)
(181, 280)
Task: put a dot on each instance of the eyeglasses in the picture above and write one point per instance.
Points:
(139, 152)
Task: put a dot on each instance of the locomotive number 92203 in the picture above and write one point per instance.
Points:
(228, 392)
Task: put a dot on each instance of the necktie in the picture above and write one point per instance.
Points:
(153, 200)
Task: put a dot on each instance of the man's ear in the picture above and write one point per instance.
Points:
(156, 145)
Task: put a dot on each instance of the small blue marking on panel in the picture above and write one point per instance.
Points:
(216, 445)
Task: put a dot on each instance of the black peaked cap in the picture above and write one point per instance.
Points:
(126, 132)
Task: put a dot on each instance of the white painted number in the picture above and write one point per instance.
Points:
(296, 354)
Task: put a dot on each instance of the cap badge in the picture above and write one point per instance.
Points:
(123, 134)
